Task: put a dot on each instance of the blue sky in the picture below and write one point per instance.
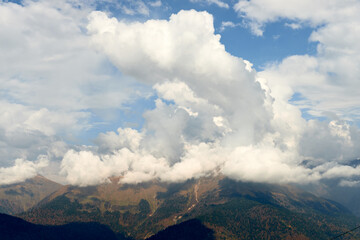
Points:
(166, 89)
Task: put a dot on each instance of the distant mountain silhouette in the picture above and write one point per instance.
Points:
(13, 228)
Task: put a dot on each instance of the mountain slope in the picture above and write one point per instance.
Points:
(16, 198)
(346, 193)
(232, 209)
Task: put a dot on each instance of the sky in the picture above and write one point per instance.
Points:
(256, 90)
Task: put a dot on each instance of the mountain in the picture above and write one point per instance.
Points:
(232, 210)
(13, 228)
(346, 194)
(16, 198)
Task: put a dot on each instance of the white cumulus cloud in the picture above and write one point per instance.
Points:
(213, 114)
(22, 170)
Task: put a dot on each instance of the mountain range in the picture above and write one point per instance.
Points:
(222, 208)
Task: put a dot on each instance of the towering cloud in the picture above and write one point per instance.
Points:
(210, 112)
(213, 112)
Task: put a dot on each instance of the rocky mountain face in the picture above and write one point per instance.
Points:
(230, 209)
(16, 198)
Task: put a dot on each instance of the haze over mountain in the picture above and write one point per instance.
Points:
(344, 192)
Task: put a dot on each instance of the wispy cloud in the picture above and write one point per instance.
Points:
(293, 25)
(228, 24)
(157, 3)
(218, 3)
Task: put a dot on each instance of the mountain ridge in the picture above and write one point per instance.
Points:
(140, 211)
(19, 197)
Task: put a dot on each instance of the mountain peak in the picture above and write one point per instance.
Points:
(19, 197)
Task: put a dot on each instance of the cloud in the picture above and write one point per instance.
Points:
(327, 80)
(41, 60)
(213, 114)
(208, 99)
(210, 112)
(293, 25)
(267, 164)
(345, 183)
(126, 138)
(218, 3)
(342, 171)
(135, 167)
(21, 170)
(157, 3)
(322, 89)
(185, 49)
(26, 132)
(97, 170)
(137, 7)
(228, 24)
(315, 13)
(50, 79)
(333, 141)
